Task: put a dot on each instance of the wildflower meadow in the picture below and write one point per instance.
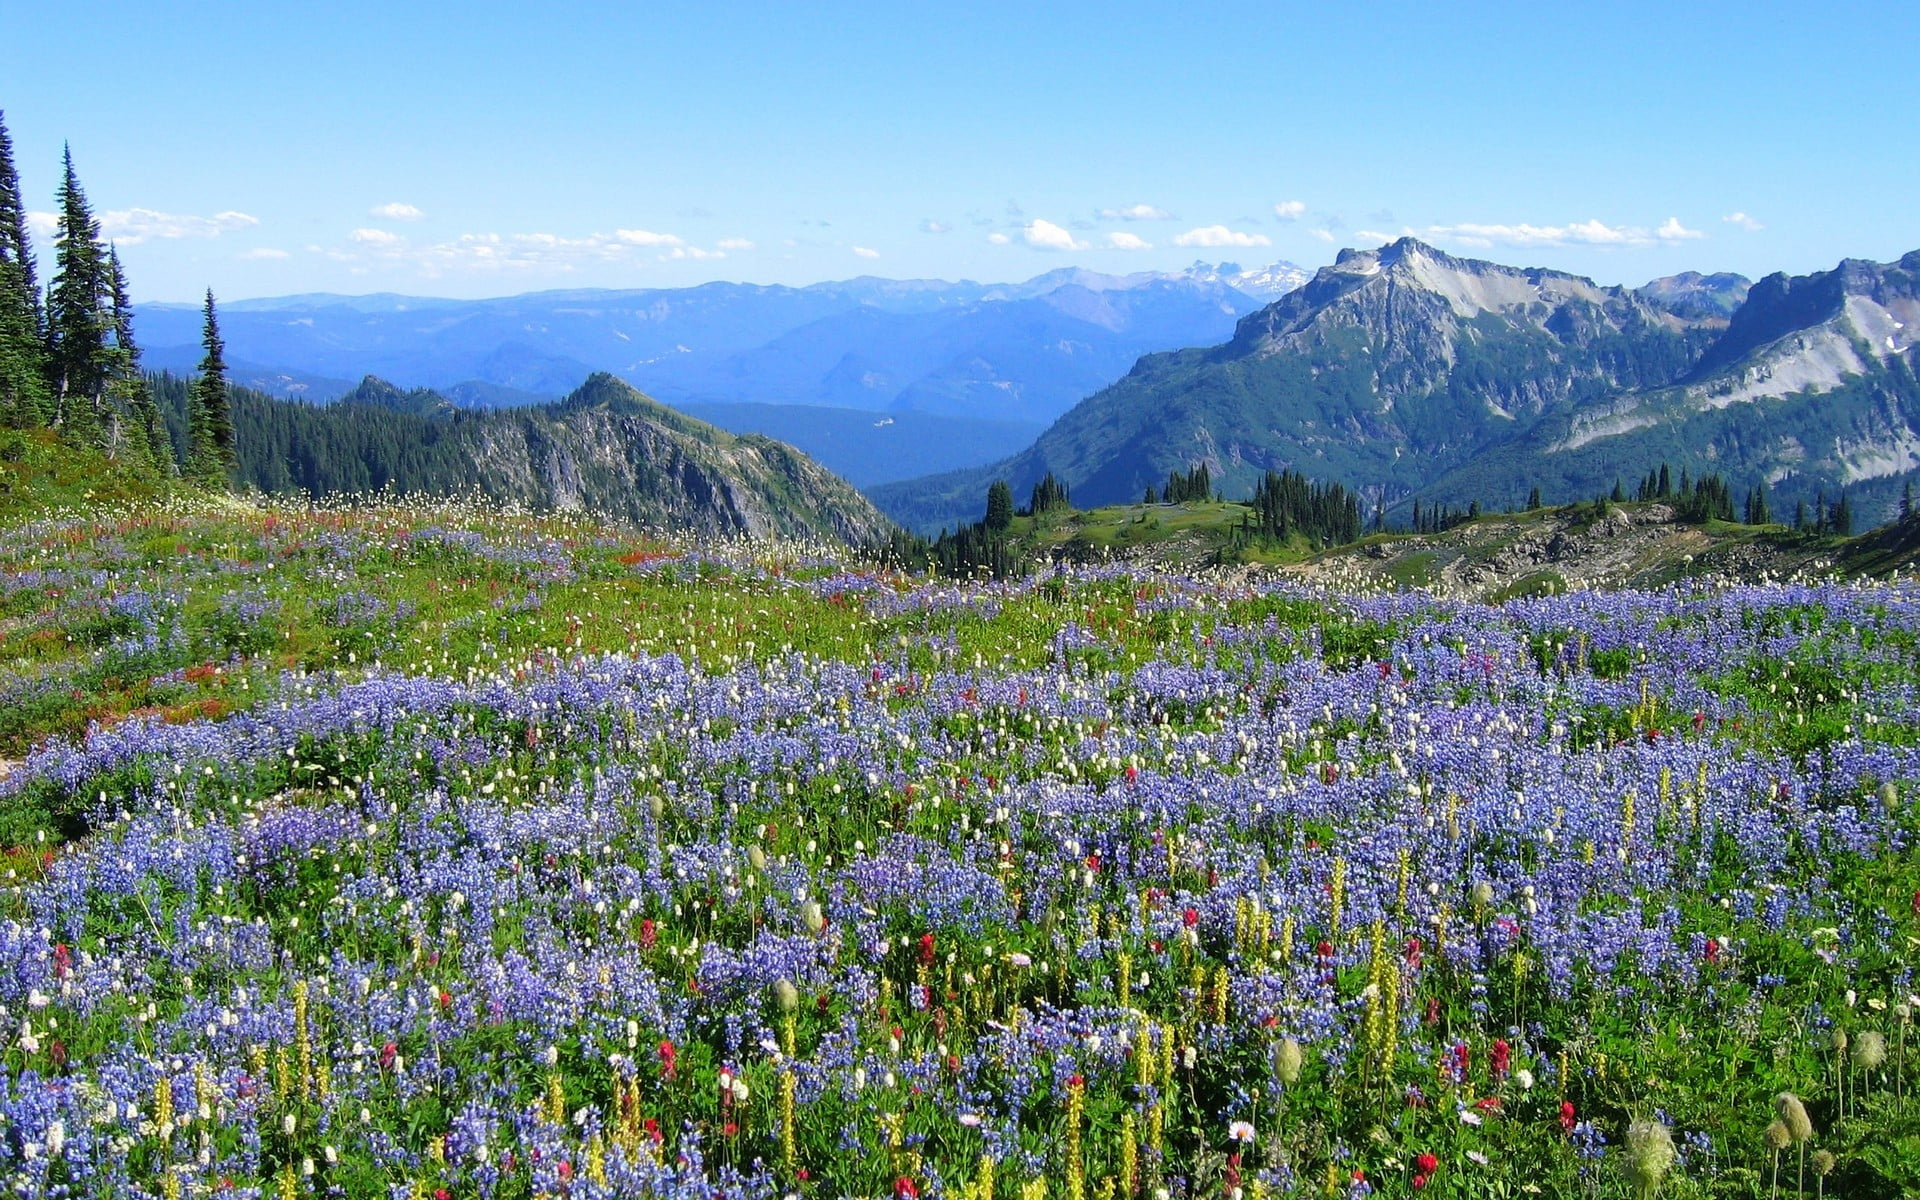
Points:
(430, 851)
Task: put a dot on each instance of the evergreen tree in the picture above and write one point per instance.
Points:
(212, 454)
(1665, 486)
(1840, 521)
(1152, 496)
(23, 391)
(1800, 515)
(999, 497)
(77, 320)
(1619, 493)
(1048, 495)
(1906, 500)
(1533, 499)
(133, 410)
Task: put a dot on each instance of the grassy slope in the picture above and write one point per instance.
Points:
(39, 473)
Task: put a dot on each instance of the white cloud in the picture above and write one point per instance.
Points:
(396, 212)
(1579, 233)
(1323, 234)
(735, 244)
(515, 252)
(1743, 221)
(645, 237)
(1373, 235)
(865, 252)
(932, 226)
(998, 239)
(1045, 235)
(262, 253)
(1290, 210)
(1136, 212)
(1213, 236)
(1120, 240)
(131, 226)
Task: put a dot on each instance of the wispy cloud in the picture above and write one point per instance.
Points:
(1372, 235)
(1290, 210)
(1579, 233)
(1743, 221)
(520, 252)
(1135, 212)
(1214, 236)
(396, 212)
(933, 226)
(131, 226)
(1045, 235)
(1121, 240)
(263, 254)
(646, 237)
(1325, 235)
(866, 252)
(998, 239)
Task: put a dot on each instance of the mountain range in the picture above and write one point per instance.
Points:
(605, 448)
(995, 362)
(1411, 375)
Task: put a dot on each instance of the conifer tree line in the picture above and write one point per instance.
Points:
(1285, 503)
(1195, 484)
(1435, 518)
(68, 360)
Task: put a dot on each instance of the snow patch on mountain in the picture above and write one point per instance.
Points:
(1882, 327)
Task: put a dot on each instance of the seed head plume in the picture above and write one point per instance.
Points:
(1793, 1117)
(1649, 1155)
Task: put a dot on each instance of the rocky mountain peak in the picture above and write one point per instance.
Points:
(1858, 301)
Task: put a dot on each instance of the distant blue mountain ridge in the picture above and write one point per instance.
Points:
(968, 372)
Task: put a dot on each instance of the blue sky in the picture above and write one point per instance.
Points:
(481, 149)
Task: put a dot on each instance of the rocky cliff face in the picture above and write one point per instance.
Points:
(620, 455)
(1812, 386)
(1520, 341)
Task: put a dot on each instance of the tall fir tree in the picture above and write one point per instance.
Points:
(212, 420)
(77, 321)
(136, 418)
(999, 506)
(23, 390)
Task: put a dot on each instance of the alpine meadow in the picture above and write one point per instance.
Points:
(783, 604)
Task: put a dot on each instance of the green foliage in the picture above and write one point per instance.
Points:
(1196, 483)
(24, 401)
(78, 320)
(211, 454)
(999, 507)
(1286, 505)
(1048, 495)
